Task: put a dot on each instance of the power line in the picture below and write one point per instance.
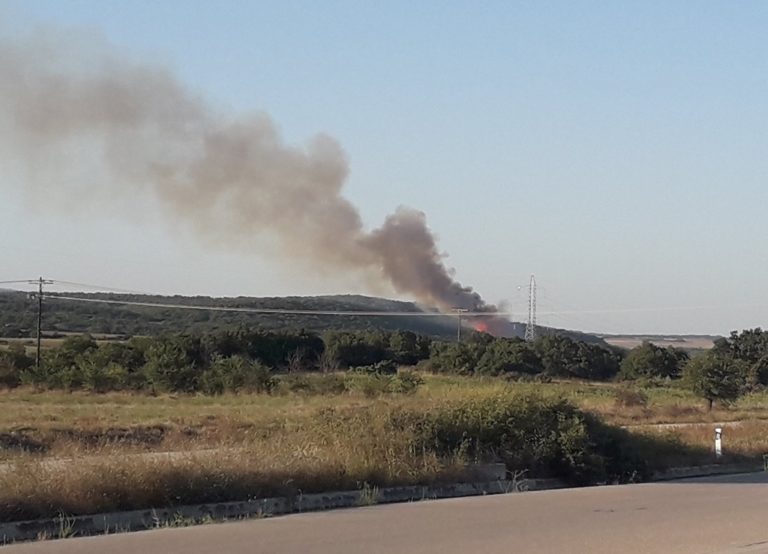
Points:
(99, 287)
(533, 313)
(272, 310)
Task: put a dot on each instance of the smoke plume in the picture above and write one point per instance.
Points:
(83, 121)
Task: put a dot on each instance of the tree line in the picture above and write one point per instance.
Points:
(245, 358)
(734, 366)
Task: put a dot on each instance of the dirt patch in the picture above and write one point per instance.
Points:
(151, 435)
(21, 442)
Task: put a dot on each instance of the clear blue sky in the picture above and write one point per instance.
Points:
(615, 149)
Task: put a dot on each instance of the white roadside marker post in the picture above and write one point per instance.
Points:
(718, 442)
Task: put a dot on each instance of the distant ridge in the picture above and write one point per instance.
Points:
(18, 313)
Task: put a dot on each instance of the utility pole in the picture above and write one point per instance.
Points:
(459, 311)
(39, 282)
(530, 328)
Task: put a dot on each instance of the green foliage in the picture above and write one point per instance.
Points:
(99, 378)
(548, 437)
(273, 348)
(553, 355)
(13, 362)
(357, 349)
(508, 356)
(385, 367)
(174, 363)
(18, 315)
(367, 348)
(406, 382)
(370, 385)
(236, 374)
(408, 348)
(564, 357)
(452, 357)
(751, 345)
(316, 384)
(376, 383)
(243, 359)
(716, 378)
(650, 361)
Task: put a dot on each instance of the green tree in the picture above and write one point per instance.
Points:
(357, 349)
(12, 363)
(750, 345)
(508, 356)
(714, 377)
(174, 363)
(564, 357)
(649, 360)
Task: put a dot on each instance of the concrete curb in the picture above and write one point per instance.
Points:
(705, 471)
(101, 524)
(137, 520)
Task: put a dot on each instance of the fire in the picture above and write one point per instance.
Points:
(481, 326)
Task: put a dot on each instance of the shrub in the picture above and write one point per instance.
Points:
(235, 374)
(174, 363)
(548, 437)
(103, 379)
(406, 382)
(386, 367)
(12, 363)
(370, 385)
(312, 384)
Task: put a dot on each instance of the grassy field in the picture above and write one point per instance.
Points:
(65, 419)
(80, 453)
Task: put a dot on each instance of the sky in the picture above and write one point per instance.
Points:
(616, 150)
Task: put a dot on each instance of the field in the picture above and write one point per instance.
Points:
(81, 453)
(690, 343)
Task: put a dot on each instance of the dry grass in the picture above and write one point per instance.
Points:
(315, 457)
(69, 424)
(741, 440)
(292, 443)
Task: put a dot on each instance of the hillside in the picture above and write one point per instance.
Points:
(18, 315)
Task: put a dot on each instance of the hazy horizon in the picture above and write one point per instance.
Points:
(616, 152)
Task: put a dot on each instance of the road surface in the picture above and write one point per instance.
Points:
(724, 514)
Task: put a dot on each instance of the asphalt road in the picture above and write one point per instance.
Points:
(725, 514)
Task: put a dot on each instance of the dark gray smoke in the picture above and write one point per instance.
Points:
(83, 122)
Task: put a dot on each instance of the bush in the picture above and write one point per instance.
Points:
(548, 437)
(103, 379)
(235, 374)
(12, 363)
(386, 367)
(312, 384)
(370, 385)
(406, 382)
(174, 363)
